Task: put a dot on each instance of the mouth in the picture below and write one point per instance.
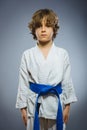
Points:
(43, 35)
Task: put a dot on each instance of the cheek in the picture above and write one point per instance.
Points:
(51, 34)
(36, 33)
(50, 31)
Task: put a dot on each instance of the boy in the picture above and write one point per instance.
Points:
(46, 67)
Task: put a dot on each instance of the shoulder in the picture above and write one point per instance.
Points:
(27, 52)
(62, 51)
(25, 56)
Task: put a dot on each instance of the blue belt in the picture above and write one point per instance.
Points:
(41, 90)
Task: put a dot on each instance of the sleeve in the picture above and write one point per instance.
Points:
(23, 84)
(69, 95)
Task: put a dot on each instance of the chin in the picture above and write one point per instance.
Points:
(44, 41)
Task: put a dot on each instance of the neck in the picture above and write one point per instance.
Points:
(44, 44)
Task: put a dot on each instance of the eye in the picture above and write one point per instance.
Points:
(48, 25)
(38, 25)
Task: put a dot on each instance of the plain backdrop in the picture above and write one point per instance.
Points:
(15, 37)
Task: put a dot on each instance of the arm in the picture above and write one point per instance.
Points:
(21, 102)
(66, 113)
(68, 88)
(24, 115)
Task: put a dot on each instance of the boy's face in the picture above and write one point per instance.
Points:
(44, 33)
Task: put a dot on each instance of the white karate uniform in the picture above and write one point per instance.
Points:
(50, 71)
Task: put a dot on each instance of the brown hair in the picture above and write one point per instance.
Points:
(51, 21)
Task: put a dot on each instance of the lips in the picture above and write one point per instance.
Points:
(43, 35)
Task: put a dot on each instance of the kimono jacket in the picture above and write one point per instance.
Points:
(50, 71)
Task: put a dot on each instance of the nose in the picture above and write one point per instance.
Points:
(43, 28)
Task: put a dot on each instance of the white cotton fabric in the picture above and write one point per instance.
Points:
(50, 71)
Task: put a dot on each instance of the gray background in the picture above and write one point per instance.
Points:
(15, 38)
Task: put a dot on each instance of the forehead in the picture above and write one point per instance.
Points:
(44, 20)
(41, 16)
